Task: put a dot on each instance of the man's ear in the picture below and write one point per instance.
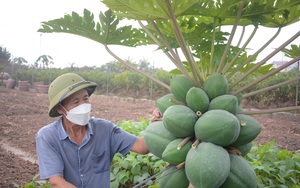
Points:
(59, 109)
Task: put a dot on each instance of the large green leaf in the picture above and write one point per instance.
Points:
(284, 15)
(194, 31)
(270, 13)
(293, 52)
(148, 9)
(104, 32)
(218, 8)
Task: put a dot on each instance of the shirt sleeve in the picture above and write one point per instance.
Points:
(49, 160)
(122, 141)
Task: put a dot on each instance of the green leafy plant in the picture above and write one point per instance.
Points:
(132, 169)
(135, 128)
(5, 58)
(281, 94)
(275, 167)
(293, 52)
(34, 183)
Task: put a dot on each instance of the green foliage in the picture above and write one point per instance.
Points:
(278, 96)
(293, 52)
(134, 168)
(4, 57)
(135, 128)
(275, 167)
(19, 60)
(43, 62)
(34, 183)
(33, 75)
(164, 76)
(112, 77)
(105, 32)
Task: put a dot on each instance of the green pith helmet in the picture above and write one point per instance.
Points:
(64, 86)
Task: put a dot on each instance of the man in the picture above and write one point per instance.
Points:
(76, 150)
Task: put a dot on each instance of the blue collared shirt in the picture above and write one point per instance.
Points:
(86, 165)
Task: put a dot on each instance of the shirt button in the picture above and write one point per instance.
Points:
(81, 175)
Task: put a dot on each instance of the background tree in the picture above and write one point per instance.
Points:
(18, 63)
(19, 60)
(145, 66)
(43, 61)
(4, 58)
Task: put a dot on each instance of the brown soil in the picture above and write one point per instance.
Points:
(22, 114)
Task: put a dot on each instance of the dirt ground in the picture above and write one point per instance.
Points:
(22, 114)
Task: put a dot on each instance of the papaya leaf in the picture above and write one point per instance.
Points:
(274, 13)
(218, 8)
(194, 32)
(147, 9)
(104, 32)
(270, 13)
(283, 17)
(293, 52)
(260, 71)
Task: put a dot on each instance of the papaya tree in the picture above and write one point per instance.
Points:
(43, 61)
(201, 121)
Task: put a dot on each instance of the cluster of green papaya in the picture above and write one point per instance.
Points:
(203, 129)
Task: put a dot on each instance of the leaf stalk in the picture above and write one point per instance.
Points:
(266, 75)
(221, 65)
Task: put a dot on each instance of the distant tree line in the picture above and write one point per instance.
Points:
(114, 78)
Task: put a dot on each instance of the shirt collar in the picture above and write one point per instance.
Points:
(62, 133)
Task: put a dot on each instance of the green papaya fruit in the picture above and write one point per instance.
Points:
(207, 165)
(197, 100)
(217, 126)
(180, 120)
(249, 129)
(215, 85)
(239, 109)
(175, 155)
(239, 97)
(241, 174)
(174, 178)
(157, 137)
(180, 85)
(224, 102)
(244, 149)
(164, 102)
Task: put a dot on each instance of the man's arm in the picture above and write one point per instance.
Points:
(60, 182)
(140, 147)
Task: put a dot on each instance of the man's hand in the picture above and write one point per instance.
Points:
(156, 115)
(140, 147)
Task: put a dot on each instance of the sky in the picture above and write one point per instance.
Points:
(20, 20)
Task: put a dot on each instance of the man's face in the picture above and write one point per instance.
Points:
(76, 99)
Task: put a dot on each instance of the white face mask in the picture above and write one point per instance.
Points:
(79, 115)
